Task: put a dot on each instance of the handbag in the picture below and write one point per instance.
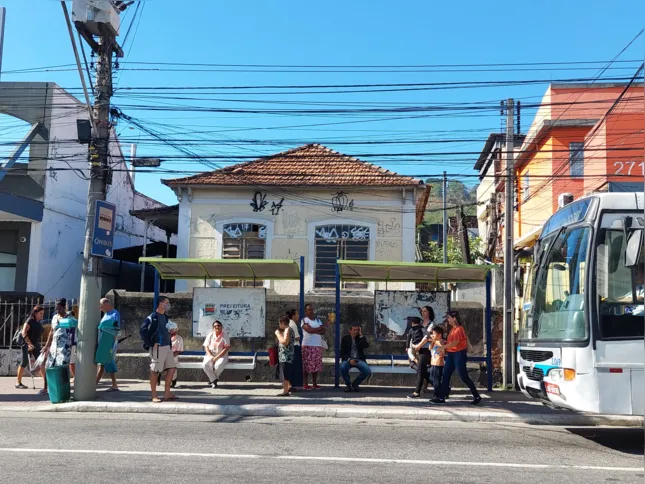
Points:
(273, 356)
(18, 338)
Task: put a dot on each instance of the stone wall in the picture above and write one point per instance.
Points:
(134, 307)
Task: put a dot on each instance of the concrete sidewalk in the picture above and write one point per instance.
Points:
(260, 399)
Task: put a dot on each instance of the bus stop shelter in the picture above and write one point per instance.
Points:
(227, 270)
(377, 271)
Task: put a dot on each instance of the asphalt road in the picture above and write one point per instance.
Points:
(97, 448)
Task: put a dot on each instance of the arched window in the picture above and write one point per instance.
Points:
(243, 241)
(338, 241)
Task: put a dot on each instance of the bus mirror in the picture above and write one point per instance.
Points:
(560, 267)
(519, 290)
(634, 248)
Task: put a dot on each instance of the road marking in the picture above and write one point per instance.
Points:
(364, 460)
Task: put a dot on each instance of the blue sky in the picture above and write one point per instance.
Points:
(339, 33)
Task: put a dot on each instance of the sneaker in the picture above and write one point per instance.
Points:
(306, 387)
(414, 395)
(21, 386)
(316, 387)
(348, 388)
(477, 400)
(42, 391)
(214, 384)
(437, 401)
(355, 388)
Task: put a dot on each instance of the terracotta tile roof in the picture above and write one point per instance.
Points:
(309, 165)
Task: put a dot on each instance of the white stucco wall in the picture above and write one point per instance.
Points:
(56, 244)
(389, 215)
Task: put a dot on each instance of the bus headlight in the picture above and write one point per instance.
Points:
(556, 375)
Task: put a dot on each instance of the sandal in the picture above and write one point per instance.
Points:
(172, 397)
(157, 400)
(111, 389)
(284, 394)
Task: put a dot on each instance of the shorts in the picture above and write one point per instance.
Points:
(24, 361)
(286, 372)
(162, 359)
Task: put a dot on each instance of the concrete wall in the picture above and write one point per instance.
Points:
(388, 214)
(134, 308)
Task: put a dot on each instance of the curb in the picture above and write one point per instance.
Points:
(330, 411)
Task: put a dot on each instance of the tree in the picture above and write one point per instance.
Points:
(458, 194)
(433, 252)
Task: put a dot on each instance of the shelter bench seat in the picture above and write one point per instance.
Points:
(243, 361)
(391, 368)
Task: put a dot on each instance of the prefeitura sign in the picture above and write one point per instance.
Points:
(103, 233)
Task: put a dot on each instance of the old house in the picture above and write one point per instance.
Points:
(310, 201)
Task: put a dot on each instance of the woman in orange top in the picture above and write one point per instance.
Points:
(456, 350)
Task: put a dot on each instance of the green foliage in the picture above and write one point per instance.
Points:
(434, 251)
(458, 193)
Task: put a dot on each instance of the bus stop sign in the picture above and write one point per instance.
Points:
(103, 233)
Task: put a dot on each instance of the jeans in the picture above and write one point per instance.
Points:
(436, 374)
(456, 361)
(422, 370)
(361, 366)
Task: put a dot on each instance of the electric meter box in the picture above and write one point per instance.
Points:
(96, 13)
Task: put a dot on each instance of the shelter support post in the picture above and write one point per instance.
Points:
(489, 334)
(338, 323)
(155, 301)
(145, 247)
(301, 310)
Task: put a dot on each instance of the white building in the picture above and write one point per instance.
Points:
(43, 203)
(309, 201)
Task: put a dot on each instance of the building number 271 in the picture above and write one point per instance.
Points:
(626, 167)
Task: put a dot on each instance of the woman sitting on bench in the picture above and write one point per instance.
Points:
(216, 345)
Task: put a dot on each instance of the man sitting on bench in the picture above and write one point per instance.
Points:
(352, 354)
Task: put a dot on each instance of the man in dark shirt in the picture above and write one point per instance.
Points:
(161, 353)
(352, 354)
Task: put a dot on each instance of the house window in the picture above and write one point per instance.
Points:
(7, 271)
(576, 159)
(243, 241)
(332, 242)
(525, 186)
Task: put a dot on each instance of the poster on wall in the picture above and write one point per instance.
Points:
(241, 310)
(392, 308)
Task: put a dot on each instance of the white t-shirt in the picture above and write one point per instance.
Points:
(294, 326)
(311, 339)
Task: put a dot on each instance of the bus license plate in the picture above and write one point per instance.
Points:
(553, 389)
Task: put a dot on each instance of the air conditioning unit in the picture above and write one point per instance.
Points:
(94, 14)
(564, 199)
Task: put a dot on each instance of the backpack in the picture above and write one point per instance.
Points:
(148, 331)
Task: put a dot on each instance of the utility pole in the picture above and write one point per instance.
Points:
(509, 296)
(102, 40)
(445, 218)
(463, 235)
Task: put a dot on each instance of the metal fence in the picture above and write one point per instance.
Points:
(14, 312)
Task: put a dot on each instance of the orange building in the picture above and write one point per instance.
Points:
(584, 138)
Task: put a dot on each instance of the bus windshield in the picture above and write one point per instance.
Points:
(558, 290)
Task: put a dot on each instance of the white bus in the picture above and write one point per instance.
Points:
(581, 332)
